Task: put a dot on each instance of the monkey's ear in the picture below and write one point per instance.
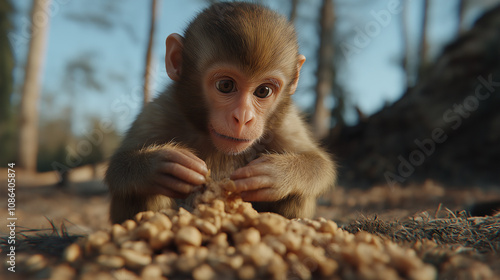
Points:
(173, 56)
(301, 61)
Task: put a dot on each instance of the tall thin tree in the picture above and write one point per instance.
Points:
(149, 54)
(461, 15)
(324, 84)
(403, 26)
(28, 127)
(423, 48)
(293, 10)
(6, 59)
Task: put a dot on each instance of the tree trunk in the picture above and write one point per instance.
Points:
(6, 60)
(149, 55)
(461, 15)
(324, 85)
(293, 10)
(404, 39)
(28, 127)
(422, 55)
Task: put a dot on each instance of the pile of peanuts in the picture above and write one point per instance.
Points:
(225, 238)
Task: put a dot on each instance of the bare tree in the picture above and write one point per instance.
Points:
(404, 39)
(28, 128)
(293, 10)
(325, 72)
(461, 15)
(149, 54)
(423, 48)
(6, 59)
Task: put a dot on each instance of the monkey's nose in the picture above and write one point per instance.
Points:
(243, 117)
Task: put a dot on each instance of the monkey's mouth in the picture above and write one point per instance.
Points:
(229, 137)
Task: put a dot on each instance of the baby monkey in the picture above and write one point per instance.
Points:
(229, 110)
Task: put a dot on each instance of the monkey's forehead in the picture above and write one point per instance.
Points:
(255, 37)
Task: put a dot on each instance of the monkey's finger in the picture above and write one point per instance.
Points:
(267, 194)
(171, 183)
(195, 158)
(183, 173)
(194, 164)
(253, 183)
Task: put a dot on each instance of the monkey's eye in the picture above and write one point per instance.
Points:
(263, 92)
(225, 86)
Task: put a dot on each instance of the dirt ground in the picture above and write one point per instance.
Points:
(83, 208)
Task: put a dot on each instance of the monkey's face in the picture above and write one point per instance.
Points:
(244, 65)
(239, 105)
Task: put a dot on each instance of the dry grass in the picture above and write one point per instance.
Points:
(49, 241)
(459, 246)
(480, 234)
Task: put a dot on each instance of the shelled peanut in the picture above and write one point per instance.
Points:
(224, 237)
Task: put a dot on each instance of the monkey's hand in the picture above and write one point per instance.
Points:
(263, 179)
(176, 172)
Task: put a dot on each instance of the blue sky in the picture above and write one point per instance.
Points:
(371, 76)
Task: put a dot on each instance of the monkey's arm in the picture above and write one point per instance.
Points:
(292, 177)
(164, 169)
(272, 177)
(148, 169)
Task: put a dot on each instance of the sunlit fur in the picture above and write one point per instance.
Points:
(255, 40)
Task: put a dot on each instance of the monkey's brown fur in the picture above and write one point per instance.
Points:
(256, 39)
